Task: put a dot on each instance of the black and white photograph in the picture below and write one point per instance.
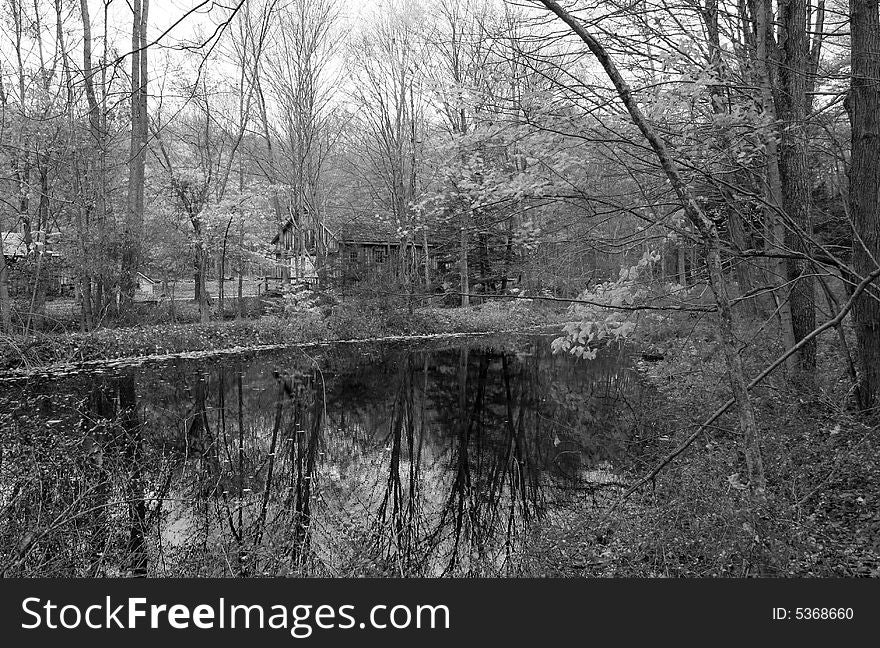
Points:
(439, 289)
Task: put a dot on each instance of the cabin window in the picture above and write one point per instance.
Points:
(353, 255)
(379, 255)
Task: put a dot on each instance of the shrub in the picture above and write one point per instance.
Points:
(357, 320)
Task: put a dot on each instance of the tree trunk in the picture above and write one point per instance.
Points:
(31, 315)
(204, 315)
(85, 292)
(774, 227)
(720, 107)
(463, 264)
(200, 263)
(5, 305)
(221, 280)
(682, 264)
(134, 221)
(87, 268)
(794, 172)
(413, 281)
(240, 309)
(241, 269)
(508, 255)
(863, 105)
(197, 276)
(220, 283)
(744, 278)
(427, 260)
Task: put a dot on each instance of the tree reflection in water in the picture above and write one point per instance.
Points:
(392, 461)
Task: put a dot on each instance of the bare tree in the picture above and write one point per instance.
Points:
(134, 222)
(457, 38)
(385, 64)
(712, 244)
(303, 85)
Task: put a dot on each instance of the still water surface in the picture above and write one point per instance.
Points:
(397, 460)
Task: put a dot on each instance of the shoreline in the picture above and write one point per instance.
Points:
(54, 355)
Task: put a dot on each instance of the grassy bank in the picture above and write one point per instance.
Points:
(350, 321)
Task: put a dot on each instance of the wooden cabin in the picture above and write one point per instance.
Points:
(339, 252)
(21, 259)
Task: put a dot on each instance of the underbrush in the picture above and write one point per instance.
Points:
(110, 343)
(186, 312)
(375, 318)
(64, 315)
(696, 518)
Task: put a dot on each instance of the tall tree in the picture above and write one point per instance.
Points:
(98, 135)
(134, 218)
(5, 304)
(303, 83)
(389, 56)
(458, 40)
(793, 111)
(863, 105)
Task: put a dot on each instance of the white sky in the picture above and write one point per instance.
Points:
(164, 13)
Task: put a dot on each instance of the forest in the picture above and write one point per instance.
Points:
(690, 187)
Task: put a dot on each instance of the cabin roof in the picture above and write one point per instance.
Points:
(365, 231)
(353, 229)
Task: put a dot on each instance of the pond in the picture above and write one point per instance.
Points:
(354, 460)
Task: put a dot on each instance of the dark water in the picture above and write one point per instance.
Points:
(358, 460)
